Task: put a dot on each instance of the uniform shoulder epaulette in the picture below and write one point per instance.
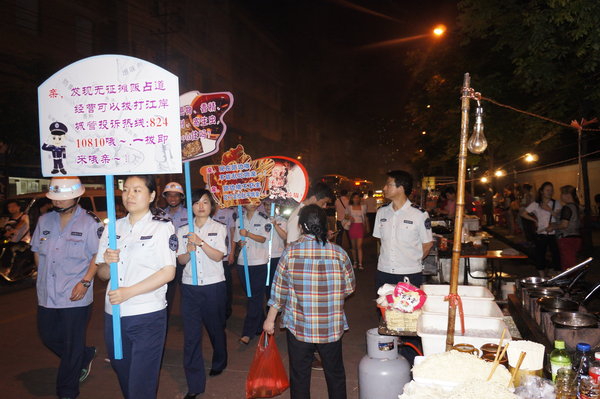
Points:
(418, 207)
(94, 216)
(264, 215)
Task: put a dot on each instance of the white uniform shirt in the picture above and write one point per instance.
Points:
(209, 271)
(258, 253)
(544, 217)
(225, 217)
(402, 233)
(179, 217)
(278, 244)
(293, 226)
(146, 247)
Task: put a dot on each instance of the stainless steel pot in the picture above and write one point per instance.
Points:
(554, 304)
(574, 320)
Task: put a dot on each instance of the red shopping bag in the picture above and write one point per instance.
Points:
(267, 377)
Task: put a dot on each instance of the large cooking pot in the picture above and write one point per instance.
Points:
(554, 304)
(563, 278)
(531, 295)
(574, 320)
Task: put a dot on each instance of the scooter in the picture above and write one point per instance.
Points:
(16, 258)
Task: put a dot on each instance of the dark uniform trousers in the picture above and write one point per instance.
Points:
(143, 339)
(229, 287)
(274, 263)
(63, 332)
(255, 307)
(172, 288)
(301, 355)
(203, 306)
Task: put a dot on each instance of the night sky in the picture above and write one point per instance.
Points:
(359, 88)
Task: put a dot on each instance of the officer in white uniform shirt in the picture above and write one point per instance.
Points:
(320, 194)
(405, 233)
(146, 249)
(225, 216)
(279, 234)
(256, 230)
(203, 305)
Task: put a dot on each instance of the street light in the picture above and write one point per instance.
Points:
(500, 173)
(439, 30)
(530, 157)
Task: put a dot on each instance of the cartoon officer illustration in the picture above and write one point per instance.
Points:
(59, 150)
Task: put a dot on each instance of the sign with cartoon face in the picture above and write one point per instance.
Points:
(201, 123)
(240, 180)
(109, 115)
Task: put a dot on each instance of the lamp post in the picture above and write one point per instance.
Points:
(476, 144)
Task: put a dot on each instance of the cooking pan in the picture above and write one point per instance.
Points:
(574, 320)
(553, 304)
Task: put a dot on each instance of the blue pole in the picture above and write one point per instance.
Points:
(190, 215)
(114, 275)
(272, 214)
(244, 253)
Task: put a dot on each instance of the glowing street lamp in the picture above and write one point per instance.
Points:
(530, 157)
(439, 30)
(484, 179)
(500, 173)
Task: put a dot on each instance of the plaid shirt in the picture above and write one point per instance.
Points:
(310, 285)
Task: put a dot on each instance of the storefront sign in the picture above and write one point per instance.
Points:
(109, 115)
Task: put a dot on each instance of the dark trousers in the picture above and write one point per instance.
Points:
(63, 332)
(371, 218)
(172, 288)
(229, 289)
(255, 307)
(203, 306)
(143, 338)
(416, 279)
(543, 242)
(301, 358)
(339, 238)
(274, 263)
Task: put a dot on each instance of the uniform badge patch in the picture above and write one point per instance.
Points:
(45, 232)
(100, 231)
(173, 242)
(268, 227)
(383, 220)
(428, 224)
(77, 233)
(408, 221)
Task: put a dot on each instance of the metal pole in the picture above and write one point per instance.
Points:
(460, 208)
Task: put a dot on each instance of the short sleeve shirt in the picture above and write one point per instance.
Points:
(293, 226)
(278, 244)
(402, 234)
(146, 247)
(65, 256)
(258, 253)
(543, 216)
(208, 271)
(179, 218)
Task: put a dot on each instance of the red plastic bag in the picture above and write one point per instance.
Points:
(267, 377)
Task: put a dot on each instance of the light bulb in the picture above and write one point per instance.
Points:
(477, 143)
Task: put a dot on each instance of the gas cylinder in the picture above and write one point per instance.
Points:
(382, 372)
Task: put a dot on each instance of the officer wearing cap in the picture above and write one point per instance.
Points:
(65, 243)
(174, 195)
(58, 149)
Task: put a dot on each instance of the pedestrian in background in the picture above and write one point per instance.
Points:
(341, 213)
(358, 228)
(65, 243)
(146, 248)
(320, 194)
(544, 212)
(203, 305)
(568, 227)
(312, 280)
(371, 203)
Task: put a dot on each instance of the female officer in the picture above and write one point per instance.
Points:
(203, 304)
(256, 229)
(65, 243)
(146, 247)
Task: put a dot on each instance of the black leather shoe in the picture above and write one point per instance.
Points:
(214, 373)
(191, 396)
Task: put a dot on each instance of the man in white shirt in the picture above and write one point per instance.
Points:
(341, 209)
(405, 233)
(320, 194)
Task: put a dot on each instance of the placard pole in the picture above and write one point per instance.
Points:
(114, 275)
(244, 253)
(190, 216)
(272, 214)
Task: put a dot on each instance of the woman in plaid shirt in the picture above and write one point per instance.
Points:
(312, 280)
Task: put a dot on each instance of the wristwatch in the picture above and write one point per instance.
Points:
(201, 244)
(86, 283)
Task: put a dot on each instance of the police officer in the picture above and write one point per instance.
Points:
(65, 243)
(58, 149)
(405, 233)
(204, 304)
(256, 229)
(174, 195)
(146, 248)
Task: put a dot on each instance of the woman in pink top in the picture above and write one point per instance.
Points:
(358, 216)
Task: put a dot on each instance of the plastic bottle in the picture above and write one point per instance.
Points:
(582, 359)
(559, 358)
(588, 388)
(566, 384)
(595, 367)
